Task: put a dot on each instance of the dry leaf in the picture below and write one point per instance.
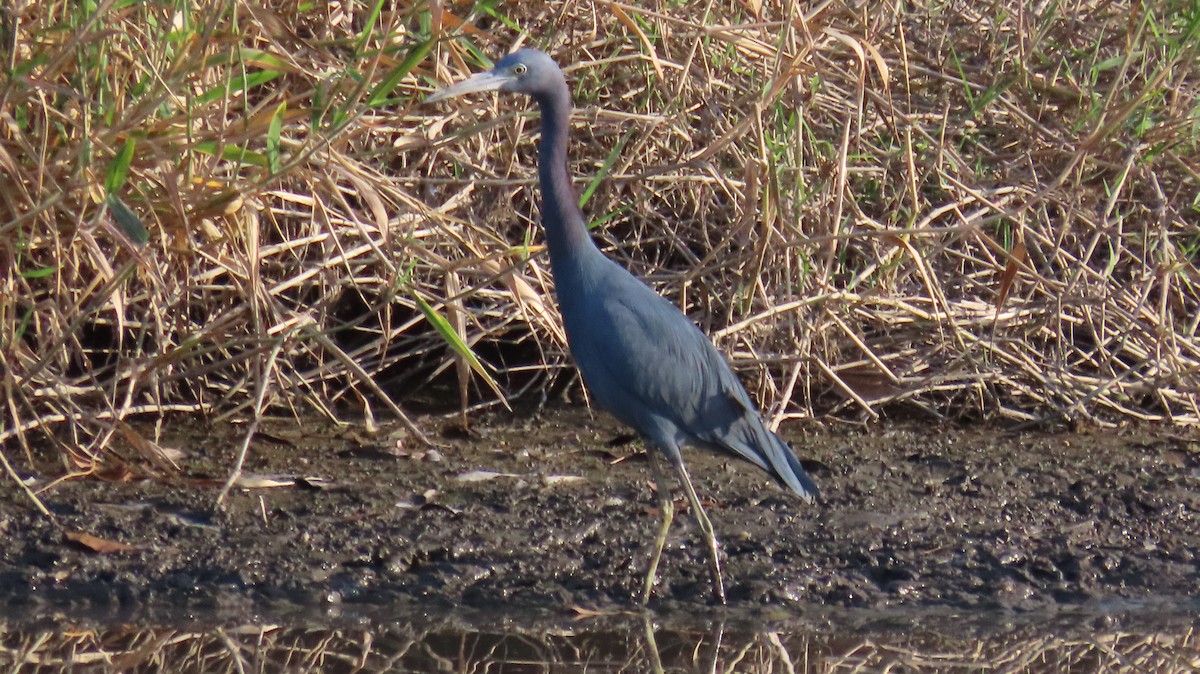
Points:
(482, 475)
(258, 481)
(97, 544)
(1010, 274)
(315, 482)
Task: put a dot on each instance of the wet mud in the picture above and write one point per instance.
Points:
(550, 514)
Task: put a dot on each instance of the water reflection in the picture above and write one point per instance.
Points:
(616, 644)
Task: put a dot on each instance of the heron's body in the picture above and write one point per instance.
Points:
(641, 358)
(674, 389)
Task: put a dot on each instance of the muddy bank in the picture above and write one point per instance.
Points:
(549, 514)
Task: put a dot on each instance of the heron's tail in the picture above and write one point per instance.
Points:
(786, 466)
(751, 439)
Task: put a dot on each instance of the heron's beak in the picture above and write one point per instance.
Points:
(486, 81)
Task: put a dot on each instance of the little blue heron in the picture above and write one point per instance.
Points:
(640, 357)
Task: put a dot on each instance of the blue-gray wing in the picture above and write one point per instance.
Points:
(648, 364)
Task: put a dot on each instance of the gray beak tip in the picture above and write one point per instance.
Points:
(485, 81)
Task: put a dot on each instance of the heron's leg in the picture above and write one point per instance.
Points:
(667, 506)
(706, 528)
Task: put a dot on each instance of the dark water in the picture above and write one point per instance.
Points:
(1126, 638)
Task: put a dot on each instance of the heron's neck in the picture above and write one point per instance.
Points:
(566, 232)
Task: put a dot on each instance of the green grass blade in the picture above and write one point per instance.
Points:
(379, 95)
(274, 130)
(237, 84)
(127, 220)
(233, 153)
(369, 26)
(40, 272)
(118, 170)
(604, 169)
(23, 327)
(611, 215)
(247, 57)
(456, 344)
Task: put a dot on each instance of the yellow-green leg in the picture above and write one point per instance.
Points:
(706, 528)
(668, 513)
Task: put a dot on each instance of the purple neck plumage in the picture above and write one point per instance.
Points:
(563, 221)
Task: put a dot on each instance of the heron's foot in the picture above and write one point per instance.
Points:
(668, 513)
(706, 528)
(714, 554)
(718, 585)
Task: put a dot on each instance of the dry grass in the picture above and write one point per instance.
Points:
(410, 648)
(975, 211)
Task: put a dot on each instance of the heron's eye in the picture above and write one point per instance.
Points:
(520, 69)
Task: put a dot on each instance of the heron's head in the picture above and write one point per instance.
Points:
(527, 71)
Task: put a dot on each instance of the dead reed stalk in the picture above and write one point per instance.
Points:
(986, 211)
